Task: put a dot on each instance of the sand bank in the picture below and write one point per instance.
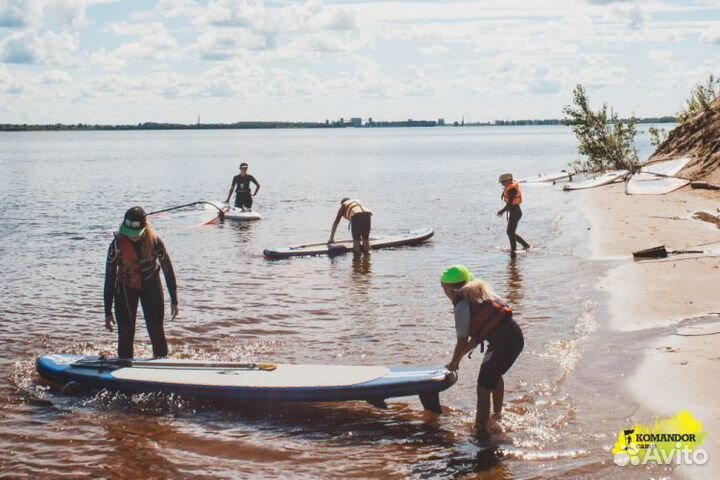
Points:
(677, 372)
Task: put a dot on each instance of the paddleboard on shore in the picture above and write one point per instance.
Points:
(413, 237)
(598, 180)
(233, 213)
(250, 382)
(549, 177)
(651, 184)
(668, 168)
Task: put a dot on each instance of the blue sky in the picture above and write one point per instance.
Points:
(105, 61)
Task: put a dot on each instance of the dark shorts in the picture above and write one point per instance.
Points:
(243, 200)
(507, 343)
(360, 226)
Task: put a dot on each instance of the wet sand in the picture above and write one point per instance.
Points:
(675, 372)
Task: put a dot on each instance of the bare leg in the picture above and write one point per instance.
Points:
(356, 247)
(483, 413)
(366, 245)
(497, 397)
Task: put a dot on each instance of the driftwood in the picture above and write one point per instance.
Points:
(705, 185)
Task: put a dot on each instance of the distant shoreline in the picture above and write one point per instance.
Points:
(286, 125)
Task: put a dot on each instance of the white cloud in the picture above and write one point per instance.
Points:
(434, 50)
(56, 77)
(31, 48)
(227, 44)
(711, 35)
(135, 29)
(156, 45)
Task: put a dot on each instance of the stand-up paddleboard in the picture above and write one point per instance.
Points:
(241, 382)
(669, 168)
(550, 177)
(410, 238)
(598, 180)
(233, 213)
(651, 184)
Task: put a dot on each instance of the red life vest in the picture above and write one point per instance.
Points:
(517, 200)
(129, 266)
(486, 316)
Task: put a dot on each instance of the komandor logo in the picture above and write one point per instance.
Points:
(675, 440)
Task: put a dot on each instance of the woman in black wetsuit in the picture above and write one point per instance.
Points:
(512, 198)
(132, 275)
(481, 315)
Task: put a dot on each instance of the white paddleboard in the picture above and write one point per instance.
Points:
(545, 178)
(233, 213)
(668, 168)
(649, 184)
(598, 180)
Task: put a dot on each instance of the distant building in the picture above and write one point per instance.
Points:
(441, 122)
(356, 122)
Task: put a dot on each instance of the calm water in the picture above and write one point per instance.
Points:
(64, 193)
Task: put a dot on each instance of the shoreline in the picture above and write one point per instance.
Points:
(647, 300)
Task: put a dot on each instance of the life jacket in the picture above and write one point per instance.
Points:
(352, 208)
(486, 316)
(517, 200)
(129, 274)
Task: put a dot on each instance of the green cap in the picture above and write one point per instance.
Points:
(456, 274)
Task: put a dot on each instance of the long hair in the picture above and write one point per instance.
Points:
(477, 291)
(148, 240)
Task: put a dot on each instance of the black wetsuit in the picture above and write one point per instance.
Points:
(243, 197)
(514, 215)
(150, 296)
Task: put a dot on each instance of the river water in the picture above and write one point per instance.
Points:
(63, 193)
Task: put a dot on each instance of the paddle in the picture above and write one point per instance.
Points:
(221, 213)
(125, 362)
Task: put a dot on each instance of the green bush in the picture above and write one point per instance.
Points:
(700, 98)
(606, 142)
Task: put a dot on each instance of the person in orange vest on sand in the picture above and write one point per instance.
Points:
(359, 217)
(132, 274)
(513, 198)
(481, 315)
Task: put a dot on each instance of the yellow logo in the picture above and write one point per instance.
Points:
(673, 440)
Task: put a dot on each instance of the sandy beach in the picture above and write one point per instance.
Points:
(677, 372)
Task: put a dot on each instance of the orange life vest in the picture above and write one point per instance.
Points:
(129, 273)
(486, 316)
(517, 200)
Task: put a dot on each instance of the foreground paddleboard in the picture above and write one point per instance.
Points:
(651, 184)
(233, 213)
(410, 238)
(250, 382)
(598, 180)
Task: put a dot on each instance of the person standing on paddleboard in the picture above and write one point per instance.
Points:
(513, 198)
(481, 315)
(243, 198)
(132, 274)
(359, 218)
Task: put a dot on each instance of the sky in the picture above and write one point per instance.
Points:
(131, 61)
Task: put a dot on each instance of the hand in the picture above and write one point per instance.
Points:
(453, 366)
(499, 213)
(109, 322)
(227, 200)
(332, 240)
(174, 311)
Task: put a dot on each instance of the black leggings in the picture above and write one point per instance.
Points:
(514, 216)
(153, 305)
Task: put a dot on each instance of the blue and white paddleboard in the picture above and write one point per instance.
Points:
(261, 382)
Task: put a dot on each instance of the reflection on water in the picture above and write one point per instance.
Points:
(382, 309)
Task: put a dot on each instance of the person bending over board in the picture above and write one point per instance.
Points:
(513, 198)
(243, 198)
(132, 275)
(481, 315)
(359, 218)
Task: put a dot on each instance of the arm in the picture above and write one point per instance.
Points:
(110, 279)
(338, 217)
(232, 187)
(169, 274)
(462, 329)
(511, 197)
(257, 185)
